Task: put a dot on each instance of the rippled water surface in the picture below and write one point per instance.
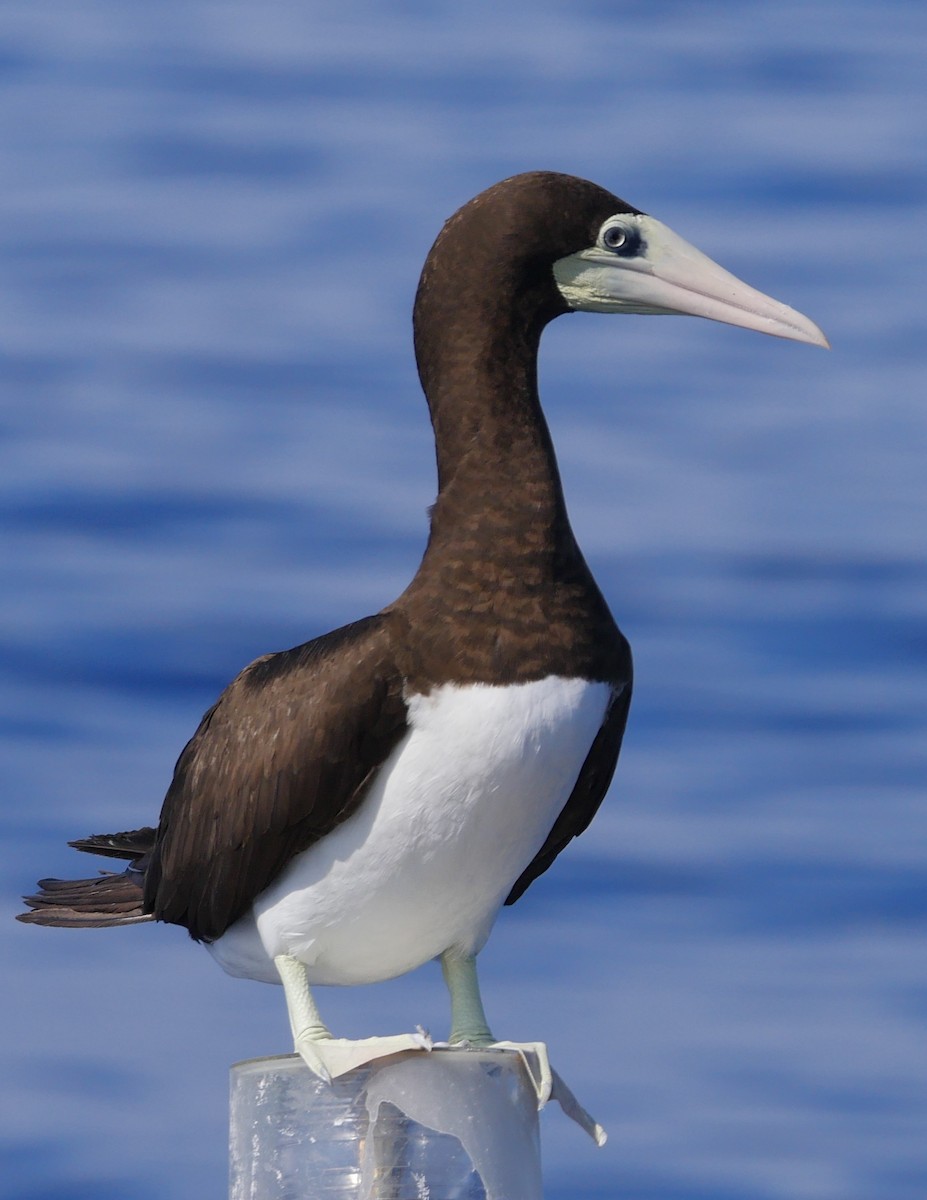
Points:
(212, 444)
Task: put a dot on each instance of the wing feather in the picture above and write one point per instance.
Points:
(588, 791)
(281, 759)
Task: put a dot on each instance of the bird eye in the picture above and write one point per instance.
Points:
(621, 239)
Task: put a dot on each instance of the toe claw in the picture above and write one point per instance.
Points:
(311, 1052)
(543, 1083)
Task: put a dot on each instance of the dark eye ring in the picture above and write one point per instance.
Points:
(615, 237)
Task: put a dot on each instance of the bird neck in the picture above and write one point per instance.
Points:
(503, 593)
(497, 473)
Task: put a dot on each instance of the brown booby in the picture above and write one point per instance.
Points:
(355, 806)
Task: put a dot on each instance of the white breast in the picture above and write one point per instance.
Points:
(457, 812)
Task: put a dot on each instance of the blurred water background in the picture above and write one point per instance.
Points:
(212, 445)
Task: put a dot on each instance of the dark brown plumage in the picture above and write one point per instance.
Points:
(503, 596)
(280, 760)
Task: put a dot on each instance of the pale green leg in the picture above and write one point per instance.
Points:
(468, 1021)
(305, 1021)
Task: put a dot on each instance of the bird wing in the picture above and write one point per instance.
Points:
(588, 791)
(280, 760)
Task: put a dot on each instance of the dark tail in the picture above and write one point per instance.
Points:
(108, 899)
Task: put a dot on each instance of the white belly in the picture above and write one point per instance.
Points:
(457, 812)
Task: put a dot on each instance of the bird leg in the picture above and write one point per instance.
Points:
(468, 1021)
(328, 1057)
(305, 1021)
(469, 1026)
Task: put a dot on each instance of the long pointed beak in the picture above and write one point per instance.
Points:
(668, 275)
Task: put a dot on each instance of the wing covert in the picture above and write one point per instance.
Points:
(281, 759)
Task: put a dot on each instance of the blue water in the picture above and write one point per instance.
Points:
(212, 444)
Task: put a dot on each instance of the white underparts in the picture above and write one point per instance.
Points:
(455, 815)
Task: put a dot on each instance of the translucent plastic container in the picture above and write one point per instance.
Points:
(444, 1125)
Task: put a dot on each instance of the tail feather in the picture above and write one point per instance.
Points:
(133, 844)
(108, 899)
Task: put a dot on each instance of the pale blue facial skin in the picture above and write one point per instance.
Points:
(639, 265)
